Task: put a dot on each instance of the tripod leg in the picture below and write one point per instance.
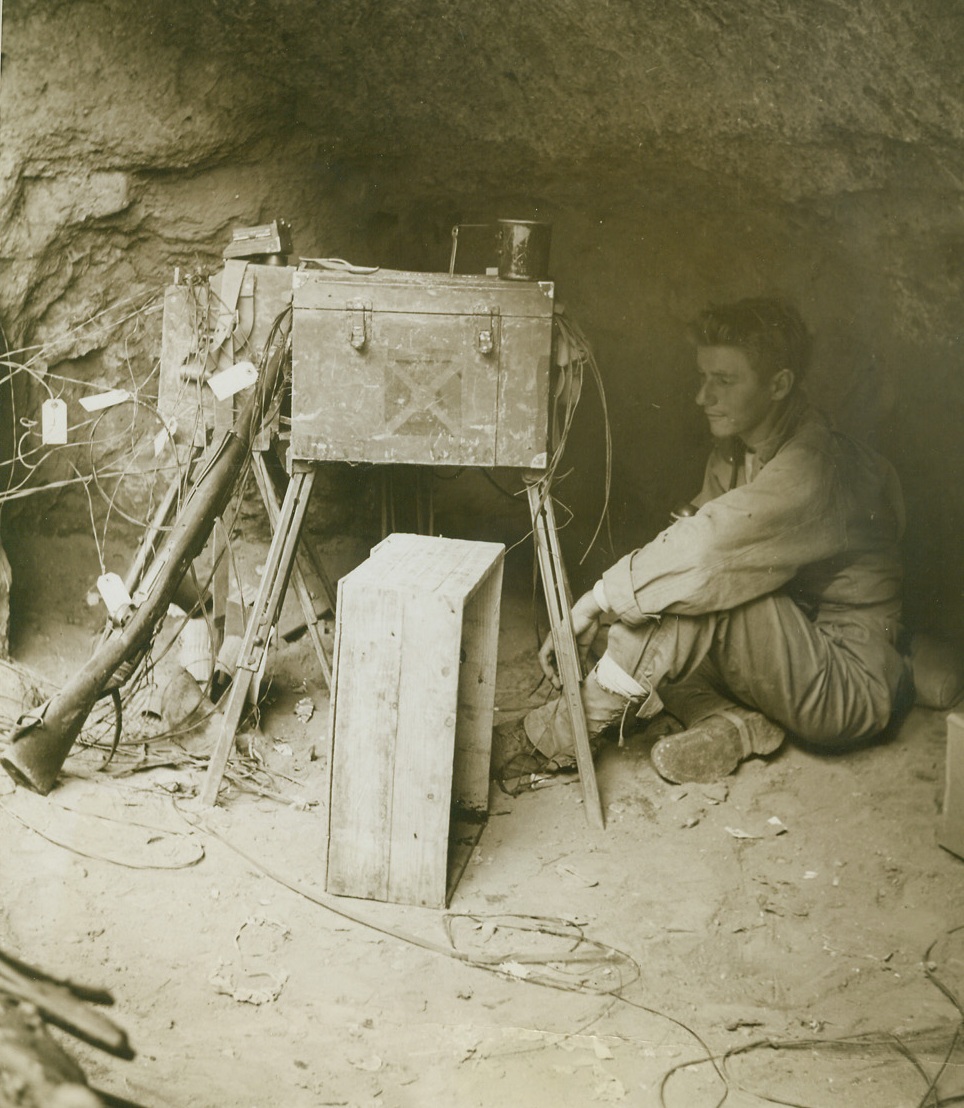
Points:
(322, 574)
(328, 587)
(305, 599)
(556, 589)
(220, 556)
(267, 605)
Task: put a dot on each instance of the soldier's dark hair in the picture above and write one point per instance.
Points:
(770, 331)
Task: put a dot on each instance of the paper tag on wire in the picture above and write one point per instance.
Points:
(229, 381)
(99, 400)
(114, 594)
(53, 422)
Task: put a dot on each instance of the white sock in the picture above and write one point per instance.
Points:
(614, 679)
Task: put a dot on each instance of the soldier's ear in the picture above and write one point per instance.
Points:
(781, 384)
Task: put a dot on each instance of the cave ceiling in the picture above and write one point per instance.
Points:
(680, 101)
(771, 98)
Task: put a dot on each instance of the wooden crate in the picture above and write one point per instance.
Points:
(412, 700)
(951, 832)
(420, 368)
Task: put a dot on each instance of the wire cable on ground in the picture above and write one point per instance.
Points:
(577, 949)
(562, 972)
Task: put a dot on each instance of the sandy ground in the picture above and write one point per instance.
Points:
(788, 937)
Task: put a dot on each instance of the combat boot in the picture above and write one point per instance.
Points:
(542, 742)
(715, 747)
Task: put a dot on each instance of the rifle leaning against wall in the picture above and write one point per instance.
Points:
(41, 740)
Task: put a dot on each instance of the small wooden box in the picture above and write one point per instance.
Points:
(266, 238)
(420, 368)
(413, 690)
(951, 833)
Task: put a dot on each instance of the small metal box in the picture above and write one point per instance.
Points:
(420, 368)
(254, 242)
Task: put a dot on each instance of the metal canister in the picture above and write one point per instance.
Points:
(523, 250)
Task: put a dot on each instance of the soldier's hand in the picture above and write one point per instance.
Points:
(585, 625)
(547, 662)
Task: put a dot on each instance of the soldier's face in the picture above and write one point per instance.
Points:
(735, 399)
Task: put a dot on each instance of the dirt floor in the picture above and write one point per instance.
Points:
(787, 937)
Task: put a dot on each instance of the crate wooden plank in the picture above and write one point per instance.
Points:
(424, 750)
(476, 695)
(456, 567)
(361, 771)
(265, 293)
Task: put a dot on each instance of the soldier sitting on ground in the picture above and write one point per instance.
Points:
(772, 607)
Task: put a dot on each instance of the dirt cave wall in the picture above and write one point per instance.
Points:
(682, 153)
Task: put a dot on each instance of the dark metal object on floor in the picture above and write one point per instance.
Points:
(36, 1069)
(65, 1004)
